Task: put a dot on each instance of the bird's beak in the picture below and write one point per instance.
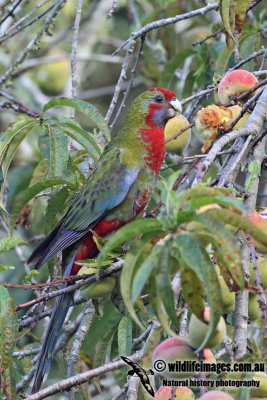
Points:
(174, 107)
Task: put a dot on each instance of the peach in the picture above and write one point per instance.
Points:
(228, 298)
(235, 83)
(254, 311)
(170, 351)
(181, 393)
(260, 220)
(261, 391)
(198, 329)
(100, 288)
(173, 126)
(216, 395)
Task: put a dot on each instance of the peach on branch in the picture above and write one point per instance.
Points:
(172, 350)
(198, 329)
(173, 126)
(216, 395)
(180, 393)
(235, 83)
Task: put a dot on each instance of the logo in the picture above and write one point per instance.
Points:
(141, 373)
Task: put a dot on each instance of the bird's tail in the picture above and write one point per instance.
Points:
(52, 333)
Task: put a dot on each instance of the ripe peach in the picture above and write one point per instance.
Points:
(170, 351)
(260, 220)
(197, 331)
(235, 83)
(173, 126)
(209, 357)
(181, 393)
(216, 395)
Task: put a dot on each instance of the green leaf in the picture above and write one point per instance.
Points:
(84, 107)
(13, 130)
(128, 232)
(29, 277)
(238, 221)
(125, 336)
(172, 65)
(8, 243)
(55, 206)
(221, 63)
(39, 172)
(24, 197)
(86, 139)
(6, 267)
(198, 260)
(9, 331)
(44, 143)
(220, 200)
(133, 261)
(162, 272)
(17, 136)
(192, 291)
(4, 295)
(226, 10)
(240, 13)
(59, 153)
(225, 244)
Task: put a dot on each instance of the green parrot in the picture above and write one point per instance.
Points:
(117, 190)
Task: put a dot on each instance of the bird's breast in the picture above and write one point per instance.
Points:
(154, 142)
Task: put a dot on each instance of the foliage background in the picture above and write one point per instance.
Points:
(56, 65)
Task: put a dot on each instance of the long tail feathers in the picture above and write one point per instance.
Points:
(52, 333)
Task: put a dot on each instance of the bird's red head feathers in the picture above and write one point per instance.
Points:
(167, 93)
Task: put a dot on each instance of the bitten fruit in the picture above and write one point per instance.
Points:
(198, 329)
(234, 84)
(173, 126)
(170, 351)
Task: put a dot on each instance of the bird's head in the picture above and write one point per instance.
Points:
(154, 107)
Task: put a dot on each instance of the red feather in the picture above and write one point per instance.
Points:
(167, 93)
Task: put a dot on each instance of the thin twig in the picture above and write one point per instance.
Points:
(10, 12)
(29, 23)
(126, 94)
(32, 43)
(112, 10)
(121, 80)
(74, 53)
(167, 21)
(115, 267)
(86, 321)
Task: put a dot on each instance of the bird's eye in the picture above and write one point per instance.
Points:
(174, 98)
(158, 99)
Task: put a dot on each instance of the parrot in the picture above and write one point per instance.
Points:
(116, 191)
